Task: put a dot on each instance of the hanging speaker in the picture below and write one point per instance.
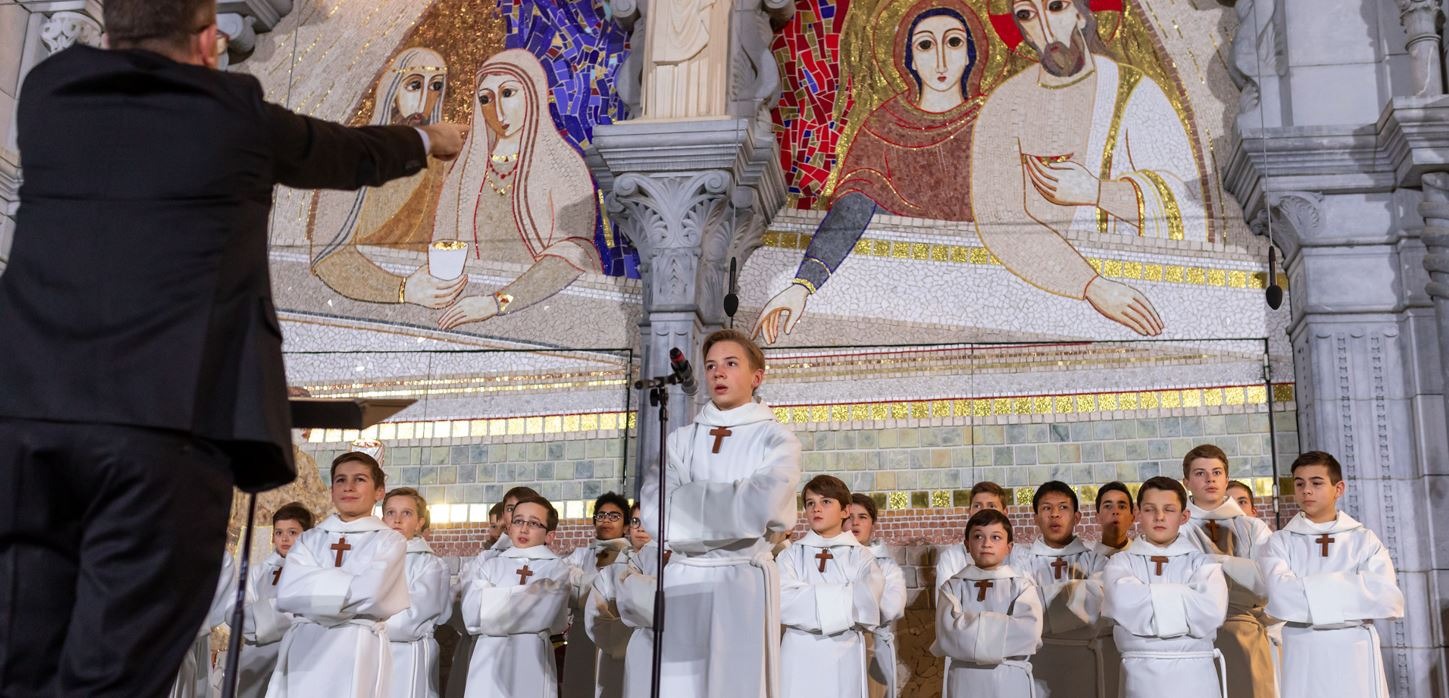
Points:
(1274, 292)
(732, 299)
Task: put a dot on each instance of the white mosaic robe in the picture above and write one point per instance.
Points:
(193, 679)
(263, 628)
(337, 645)
(410, 633)
(634, 586)
(990, 633)
(1138, 136)
(721, 630)
(1166, 623)
(1235, 542)
(1073, 653)
(1330, 646)
(512, 622)
(884, 674)
(581, 659)
(826, 615)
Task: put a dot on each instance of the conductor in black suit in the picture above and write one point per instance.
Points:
(140, 355)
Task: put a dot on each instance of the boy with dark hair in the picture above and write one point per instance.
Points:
(264, 625)
(830, 588)
(1329, 578)
(988, 617)
(1068, 574)
(1115, 511)
(514, 602)
(601, 618)
(1221, 528)
(581, 658)
(1241, 493)
(1168, 600)
(414, 649)
(954, 558)
(342, 581)
(861, 518)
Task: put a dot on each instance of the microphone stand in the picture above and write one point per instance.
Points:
(659, 397)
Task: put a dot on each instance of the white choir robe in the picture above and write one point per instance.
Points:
(1329, 603)
(410, 633)
(1107, 551)
(1235, 540)
(1074, 638)
(950, 560)
(722, 628)
(513, 620)
(193, 679)
(581, 657)
(990, 636)
(337, 645)
(884, 675)
(634, 587)
(1166, 624)
(263, 627)
(606, 628)
(826, 615)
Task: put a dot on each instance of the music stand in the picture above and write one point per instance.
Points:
(307, 413)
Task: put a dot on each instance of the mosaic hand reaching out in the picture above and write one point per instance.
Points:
(781, 313)
(470, 309)
(1126, 305)
(1064, 183)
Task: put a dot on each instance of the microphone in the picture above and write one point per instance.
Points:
(1274, 291)
(683, 372)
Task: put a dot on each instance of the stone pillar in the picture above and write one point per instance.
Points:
(1421, 20)
(1435, 210)
(1370, 391)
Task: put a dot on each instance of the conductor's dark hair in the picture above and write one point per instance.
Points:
(293, 511)
(155, 23)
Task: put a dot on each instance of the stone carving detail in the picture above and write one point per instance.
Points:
(65, 29)
(755, 75)
(1259, 52)
(1299, 217)
(629, 82)
(665, 216)
(1435, 210)
(1421, 20)
(686, 59)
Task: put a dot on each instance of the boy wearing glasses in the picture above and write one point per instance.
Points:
(513, 602)
(602, 619)
(611, 512)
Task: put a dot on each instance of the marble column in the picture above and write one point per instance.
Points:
(1421, 20)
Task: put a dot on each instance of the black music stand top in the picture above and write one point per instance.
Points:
(343, 413)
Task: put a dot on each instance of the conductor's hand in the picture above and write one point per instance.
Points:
(445, 140)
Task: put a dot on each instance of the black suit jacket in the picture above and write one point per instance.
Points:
(137, 291)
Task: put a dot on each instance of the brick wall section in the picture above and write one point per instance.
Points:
(915, 535)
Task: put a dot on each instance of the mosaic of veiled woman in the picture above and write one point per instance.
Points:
(396, 215)
(522, 196)
(910, 155)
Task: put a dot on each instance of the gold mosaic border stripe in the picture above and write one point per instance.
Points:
(1032, 405)
(1112, 268)
(482, 428)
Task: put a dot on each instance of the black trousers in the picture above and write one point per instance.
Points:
(111, 541)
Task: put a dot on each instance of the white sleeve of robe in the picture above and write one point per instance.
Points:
(432, 604)
(986, 637)
(1369, 592)
(264, 624)
(224, 599)
(1165, 609)
(541, 606)
(634, 597)
(317, 589)
(1073, 604)
(893, 595)
(705, 515)
(827, 609)
(601, 616)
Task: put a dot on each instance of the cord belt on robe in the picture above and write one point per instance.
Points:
(1216, 656)
(1093, 645)
(771, 576)
(1022, 665)
(378, 628)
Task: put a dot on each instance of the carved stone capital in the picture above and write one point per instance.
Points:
(1297, 218)
(65, 29)
(1420, 19)
(1435, 209)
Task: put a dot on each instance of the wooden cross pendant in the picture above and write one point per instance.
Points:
(719, 434)
(1160, 560)
(1212, 531)
(981, 588)
(822, 557)
(523, 574)
(341, 546)
(276, 576)
(1058, 565)
(1323, 541)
